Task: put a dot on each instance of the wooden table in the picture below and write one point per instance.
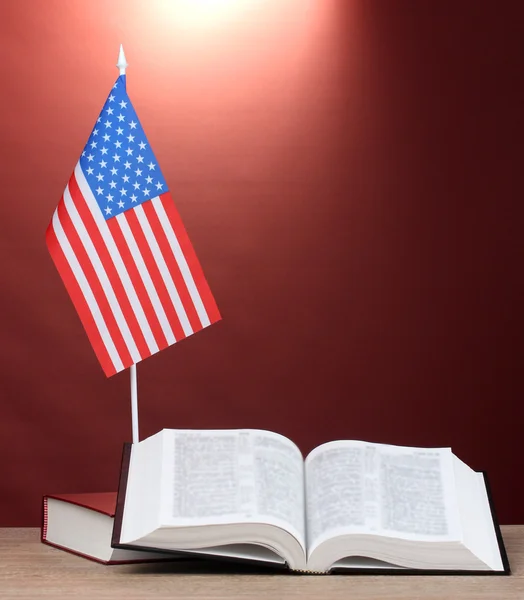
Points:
(30, 569)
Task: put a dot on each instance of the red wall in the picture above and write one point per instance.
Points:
(350, 175)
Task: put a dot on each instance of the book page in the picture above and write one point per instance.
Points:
(479, 534)
(396, 491)
(233, 476)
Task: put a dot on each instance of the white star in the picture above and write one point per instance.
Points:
(146, 191)
(102, 164)
(109, 198)
(118, 144)
(159, 186)
(114, 171)
(99, 119)
(120, 204)
(108, 210)
(103, 150)
(129, 151)
(84, 153)
(120, 131)
(140, 158)
(149, 179)
(121, 118)
(151, 166)
(90, 171)
(106, 137)
(116, 157)
(133, 198)
(95, 131)
(127, 164)
(136, 185)
(131, 138)
(107, 123)
(115, 86)
(111, 98)
(142, 145)
(90, 157)
(109, 111)
(99, 190)
(132, 124)
(123, 191)
(93, 144)
(112, 184)
(138, 172)
(100, 177)
(123, 104)
(125, 178)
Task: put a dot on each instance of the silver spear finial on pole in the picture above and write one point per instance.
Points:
(122, 63)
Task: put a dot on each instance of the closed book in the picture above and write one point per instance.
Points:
(82, 524)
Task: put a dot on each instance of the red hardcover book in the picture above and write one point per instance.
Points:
(83, 523)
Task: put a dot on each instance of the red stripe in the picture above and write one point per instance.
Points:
(95, 285)
(79, 301)
(172, 266)
(109, 267)
(191, 258)
(137, 282)
(154, 272)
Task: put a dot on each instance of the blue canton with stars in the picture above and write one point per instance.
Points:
(117, 161)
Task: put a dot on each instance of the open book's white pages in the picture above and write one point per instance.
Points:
(221, 477)
(359, 487)
(142, 500)
(478, 530)
(218, 491)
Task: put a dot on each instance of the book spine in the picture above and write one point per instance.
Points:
(120, 500)
(44, 518)
(306, 572)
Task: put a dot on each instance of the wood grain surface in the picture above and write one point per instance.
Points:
(30, 569)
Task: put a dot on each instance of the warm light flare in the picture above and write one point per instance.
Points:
(202, 13)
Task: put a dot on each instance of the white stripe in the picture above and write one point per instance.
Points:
(117, 259)
(87, 242)
(87, 293)
(181, 260)
(164, 271)
(146, 278)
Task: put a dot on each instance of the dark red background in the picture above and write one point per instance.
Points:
(350, 175)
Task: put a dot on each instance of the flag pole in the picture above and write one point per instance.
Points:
(134, 404)
(122, 64)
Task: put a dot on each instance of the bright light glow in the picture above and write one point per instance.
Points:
(201, 13)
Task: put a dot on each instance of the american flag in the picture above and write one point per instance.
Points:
(121, 249)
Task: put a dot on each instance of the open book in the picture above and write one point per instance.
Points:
(350, 505)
